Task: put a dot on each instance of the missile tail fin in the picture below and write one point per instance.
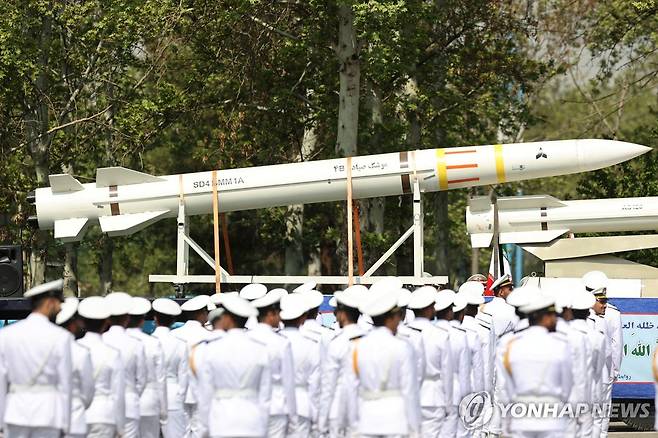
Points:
(125, 224)
(481, 240)
(118, 176)
(64, 182)
(527, 202)
(532, 236)
(71, 230)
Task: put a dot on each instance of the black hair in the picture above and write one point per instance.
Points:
(94, 325)
(164, 320)
(135, 321)
(118, 319)
(351, 313)
(580, 313)
(471, 309)
(443, 314)
(240, 321)
(313, 313)
(263, 311)
(38, 300)
(193, 314)
(380, 320)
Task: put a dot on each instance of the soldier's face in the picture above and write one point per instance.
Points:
(505, 291)
(600, 306)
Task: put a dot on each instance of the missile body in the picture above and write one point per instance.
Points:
(540, 219)
(124, 201)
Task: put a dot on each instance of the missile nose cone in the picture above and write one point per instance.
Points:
(596, 154)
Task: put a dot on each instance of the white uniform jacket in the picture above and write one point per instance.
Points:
(175, 353)
(477, 364)
(598, 343)
(234, 386)
(279, 351)
(153, 402)
(192, 332)
(615, 333)
(461, 361)
(578, 352)
(313, 329)
(109, 404)
(134, 365)
(35, 373)
(306, 362)
(537, 369)
(83, 387)
(332, 396)
(487, 345)
(382, 385)
(503, 315)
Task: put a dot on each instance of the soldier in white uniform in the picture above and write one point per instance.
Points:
(380, 374)
(175, 353)
(472, 291)
(578, 345)
(250, 293)
(36, 370)
(106, 416)
(503, 315)
(461, 359)
(83, 375)
(283, 405)
(432, 344)
(596, 282)
(132, 356)
(311, 326)
(153, 402)
(476, 355)
(333, 415)
(235, 383)
(306, 362)
(195, 315)
(537, 370)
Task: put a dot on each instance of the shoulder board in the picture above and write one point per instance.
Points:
(257, 341)
(610, 306)
(560, 335)
(602, 332)
(134, 337)
(414, 328)
(580, 330)
(310, 338)
(520, 330)
(459, 328)
(442, 328)
(469, 329)
(486, 313)
(83, 346)
(482, 325)
(354, 338)
(329, 328)
(591, 319)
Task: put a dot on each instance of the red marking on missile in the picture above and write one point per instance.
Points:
(462, 166)
(467, 151)
(463, 180)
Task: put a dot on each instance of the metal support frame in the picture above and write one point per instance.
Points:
(184, 242)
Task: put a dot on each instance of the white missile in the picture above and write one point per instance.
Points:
(543, 218)
(124, 201)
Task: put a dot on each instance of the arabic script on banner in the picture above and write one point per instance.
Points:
(640, 339)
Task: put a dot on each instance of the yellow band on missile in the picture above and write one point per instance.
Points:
(500, 163)
(441, 170)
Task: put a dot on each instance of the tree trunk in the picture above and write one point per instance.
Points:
(37, 121)
(71, 270)
(105, 265)
(350, 72)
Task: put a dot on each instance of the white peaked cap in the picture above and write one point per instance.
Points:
(423, 297)
(404, 296)
(472, 291)
(166, 306)
(119, 303)
(196, 303)
(281, 291)
(380, 303)
(505, 278)
(358, 288)
(216, 299)
(350, 297)
(272, 297)
(444, 299)
(313, 298)
(310, 285)
(540, 301)
(582, 300)
(460, 303)
(239, 306)
(94, 308)
(595, 280)
(293, 306)
(332, 301)
(253, 291)
(563, 299)
(51, 286)
(141, 306)
(67, 310)
(386, 283)
(522, 295)
(215, 314)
